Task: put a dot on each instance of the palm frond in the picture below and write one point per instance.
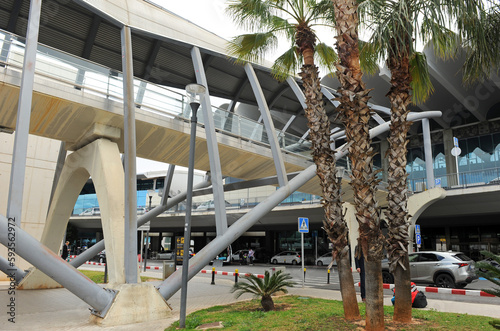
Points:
(251, 47)
(369, 56)
(286, 64)
(421, 82)
(326, 56)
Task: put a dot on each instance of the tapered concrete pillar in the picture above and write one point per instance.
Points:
(100, 160)
(417, 204)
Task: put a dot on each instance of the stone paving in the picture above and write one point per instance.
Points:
(58, 309)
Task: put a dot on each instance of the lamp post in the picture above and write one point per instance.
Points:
(146, 246)
(192, 90)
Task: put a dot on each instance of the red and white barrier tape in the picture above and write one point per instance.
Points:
(442, 290)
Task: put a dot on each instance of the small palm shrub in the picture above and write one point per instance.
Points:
(264, 288)
(492, 274)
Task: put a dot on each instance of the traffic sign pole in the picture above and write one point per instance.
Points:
(303, 228)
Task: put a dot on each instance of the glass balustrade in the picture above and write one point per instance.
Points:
(95, 79)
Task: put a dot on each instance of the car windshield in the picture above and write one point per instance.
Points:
(462, 257)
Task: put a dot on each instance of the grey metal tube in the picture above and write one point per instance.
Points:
(95, 249)
(172, 284)
(53, 266)
(429, 164)
(20, 150)
(8, 269)
(129, 140)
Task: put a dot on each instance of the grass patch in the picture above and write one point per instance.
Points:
(299, 313)
(98, 276)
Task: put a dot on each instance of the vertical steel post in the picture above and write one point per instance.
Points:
(189, 207)
(213, 151)
(130, 156)
(429, 164)
(18, 168)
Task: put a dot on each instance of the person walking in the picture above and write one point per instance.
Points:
(65, 251)
(251, 254)
(359, 260)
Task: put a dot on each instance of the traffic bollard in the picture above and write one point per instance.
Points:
(213, 276)
(328, 278)
(236, 276)
(304, 273)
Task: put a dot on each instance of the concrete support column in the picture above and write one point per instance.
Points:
(352, 225)
(101, 160)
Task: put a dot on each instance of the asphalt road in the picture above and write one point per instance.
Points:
(317, 277)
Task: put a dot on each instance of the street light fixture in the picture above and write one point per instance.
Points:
(193, 90)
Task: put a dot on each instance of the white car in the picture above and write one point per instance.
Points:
(325, 259)
(91, 211)
(287, 257)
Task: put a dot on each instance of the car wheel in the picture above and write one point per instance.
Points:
(275, 261)
(445, 280)
(294, 262)
(387, 277)
(101, 260)
(319, 263)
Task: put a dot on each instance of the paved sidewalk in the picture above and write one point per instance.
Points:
(58, 309)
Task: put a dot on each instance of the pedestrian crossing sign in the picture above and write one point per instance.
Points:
(303, 225)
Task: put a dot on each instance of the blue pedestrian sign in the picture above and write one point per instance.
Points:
(417, 229)
(303, 225)
(419, 239)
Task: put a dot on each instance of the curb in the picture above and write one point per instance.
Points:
(428, 289)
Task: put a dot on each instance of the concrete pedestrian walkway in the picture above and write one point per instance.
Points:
(58, 309)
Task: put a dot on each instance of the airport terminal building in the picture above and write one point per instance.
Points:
(251, 137)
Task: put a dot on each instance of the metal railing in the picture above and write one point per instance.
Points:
(93, 78)
(461, 180)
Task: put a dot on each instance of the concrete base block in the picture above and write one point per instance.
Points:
(37, 280)
(134, 303)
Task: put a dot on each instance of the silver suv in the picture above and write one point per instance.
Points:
(445, 269)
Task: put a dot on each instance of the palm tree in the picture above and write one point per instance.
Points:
(264, 288)
(396, 27)
(356, 115)
(295, 21)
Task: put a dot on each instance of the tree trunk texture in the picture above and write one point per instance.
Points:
(267, 303)
(402, 284)
(356, 115)
(397, 212)
(324, 158)
(373, 285)
(351, 308)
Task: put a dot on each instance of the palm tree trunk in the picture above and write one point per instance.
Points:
(356, 115)
(397, 213)
(351, 308)
(324, 159)
(267, 303)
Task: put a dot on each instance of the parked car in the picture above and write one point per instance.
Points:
(490, 261)
(91, 211)
(166, 255)
(325, 259)
(444, 269)
(100, 257)
(286, 257)
(210, 205)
